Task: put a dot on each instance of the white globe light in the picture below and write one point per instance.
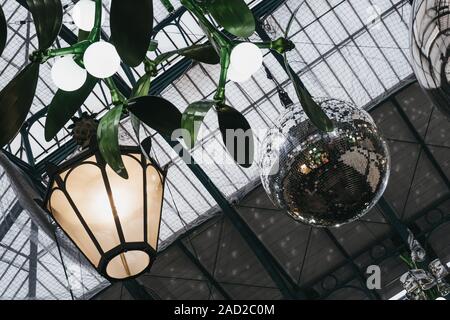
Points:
(83, 14)
(101, 60)
(246, 58)
(237, 76)
(67, 74)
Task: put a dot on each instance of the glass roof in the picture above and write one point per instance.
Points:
(353, 50)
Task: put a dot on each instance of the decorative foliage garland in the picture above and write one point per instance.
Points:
(131, 34)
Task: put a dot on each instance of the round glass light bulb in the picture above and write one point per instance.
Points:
(246, 58)
(101, 60)
(83, 14)
(67, 75)
(237, 76)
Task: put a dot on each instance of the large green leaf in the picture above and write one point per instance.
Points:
(153, 45)
(233, 124)
(108, 140)
(64, 105)
(156, 112)
(3, 31)
(15, 102)
(192, 119)
(314, 112)
(47, 16)
(142, 86)
(146, 146)
(131, 29)
(204, 53)
(234, 15)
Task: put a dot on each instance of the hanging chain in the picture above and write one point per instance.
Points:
(285, 99)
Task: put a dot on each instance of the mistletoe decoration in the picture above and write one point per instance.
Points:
(131, 24)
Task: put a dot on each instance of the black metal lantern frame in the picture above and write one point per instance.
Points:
(117, 254)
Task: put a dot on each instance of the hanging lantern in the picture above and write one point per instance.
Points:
(325, 178)
(114, 222)
(430, 49)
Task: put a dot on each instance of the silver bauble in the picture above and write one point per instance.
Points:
(325, 178)
(430, 49)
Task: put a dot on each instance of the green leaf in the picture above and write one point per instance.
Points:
(64, 105)
(142, 86)
(47, 16)
(108, 140)
(153, 45)
(131, 29)
(15, 102)
(204, 53)
(314, 112)
(156, 112)
(242, 148)
(141, 89)
(83, 35)
(3, 31)
(192, 119)
(234, 15)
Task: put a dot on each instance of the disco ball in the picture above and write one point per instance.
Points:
(430, 49)
(325, 179)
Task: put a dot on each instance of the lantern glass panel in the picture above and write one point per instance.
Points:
(155, 191)
(128, 198)
(66, 217)
(130, 262)
(86, 187)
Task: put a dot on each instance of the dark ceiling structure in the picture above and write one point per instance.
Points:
(213, 261)
(353, 50)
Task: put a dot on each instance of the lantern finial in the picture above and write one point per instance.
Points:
(84, 129)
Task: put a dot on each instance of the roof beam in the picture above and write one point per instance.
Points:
(401, 229)
(137, 290)
(203, 270)
(359, 274)
(10, 219)
(32, 260)
(420, 140)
